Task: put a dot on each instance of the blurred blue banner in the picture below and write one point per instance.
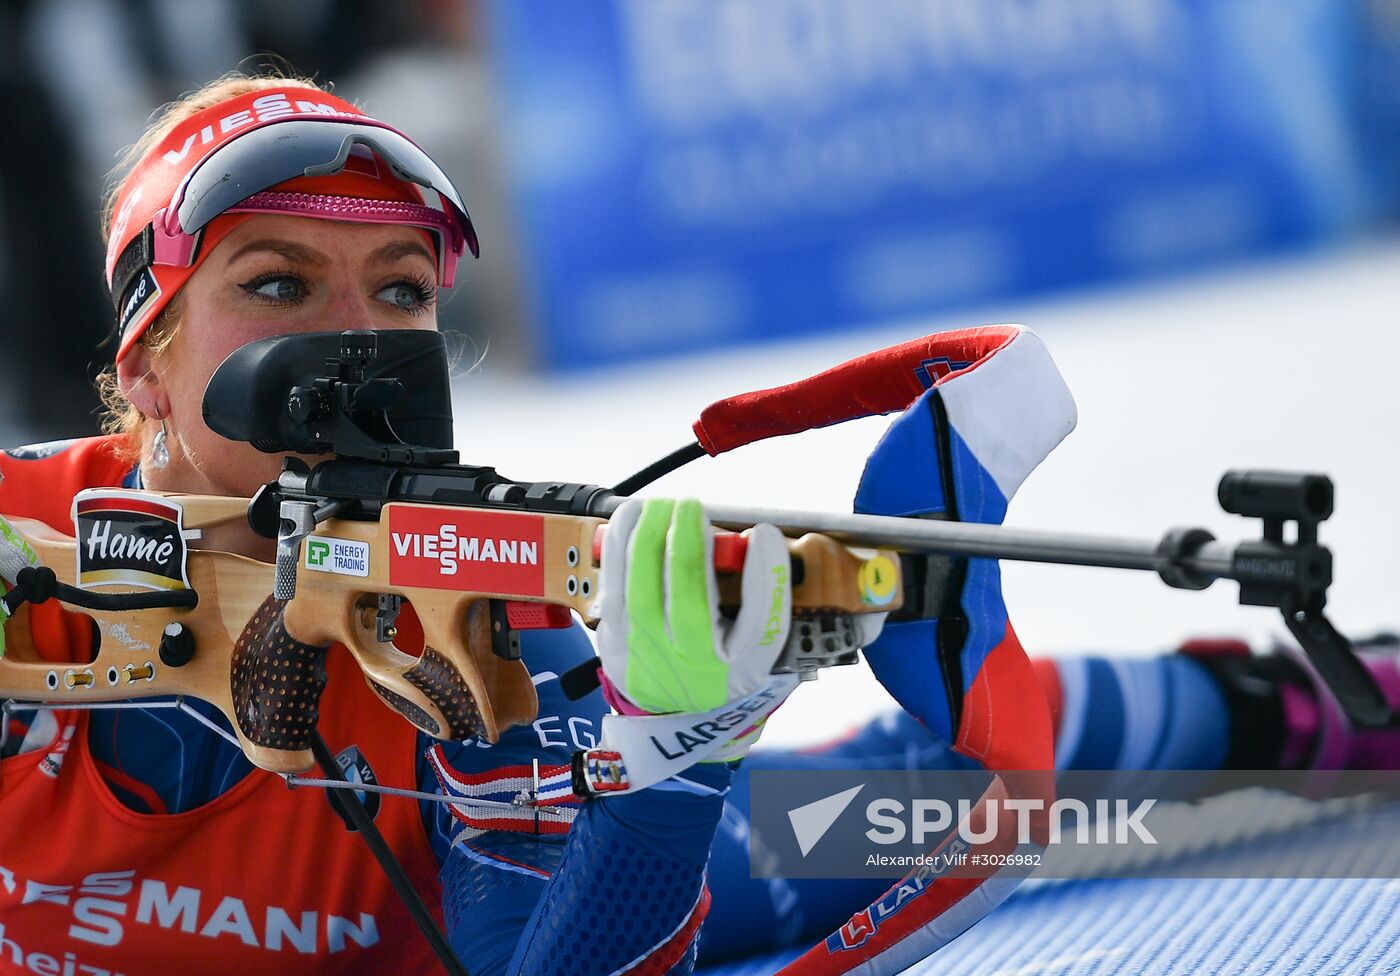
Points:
(689, 173)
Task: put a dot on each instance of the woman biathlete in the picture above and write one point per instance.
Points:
(163, 848)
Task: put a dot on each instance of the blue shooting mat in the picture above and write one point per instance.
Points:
(1180, 926)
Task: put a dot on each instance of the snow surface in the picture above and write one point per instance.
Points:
(1289, 364)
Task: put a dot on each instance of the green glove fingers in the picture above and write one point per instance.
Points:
(671, 663)
(664, 644)
(692, 603)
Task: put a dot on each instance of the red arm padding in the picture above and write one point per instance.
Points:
(879, 382)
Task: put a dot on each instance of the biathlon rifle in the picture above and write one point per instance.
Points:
(392, 520)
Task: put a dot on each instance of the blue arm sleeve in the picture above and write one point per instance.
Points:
(621, 885)
(1161, 712)
(560, 728)
(492, 881)
(752, 915)
(630, 885)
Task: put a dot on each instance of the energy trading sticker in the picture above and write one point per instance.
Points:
(346, 557)
(136, 540)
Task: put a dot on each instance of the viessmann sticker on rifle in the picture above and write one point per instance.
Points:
(133, 539)
(460, 549)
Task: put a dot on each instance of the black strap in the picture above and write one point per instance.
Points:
(354, 811)
(135, 258)
(38, 583)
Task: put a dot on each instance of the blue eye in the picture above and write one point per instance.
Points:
(412, 295)
(283, 289)
(402, 295)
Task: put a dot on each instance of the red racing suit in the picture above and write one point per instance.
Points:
(262, 879)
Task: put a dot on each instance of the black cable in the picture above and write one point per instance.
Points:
(657, 469)
(355, 813)
(38, 583)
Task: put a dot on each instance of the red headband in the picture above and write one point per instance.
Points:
(364, 190)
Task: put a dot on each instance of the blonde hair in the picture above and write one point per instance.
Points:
(121, 416)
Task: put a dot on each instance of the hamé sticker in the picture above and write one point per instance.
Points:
(130, 538)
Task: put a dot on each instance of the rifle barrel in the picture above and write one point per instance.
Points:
(974, 539)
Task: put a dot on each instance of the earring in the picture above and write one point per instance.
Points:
(160, 454)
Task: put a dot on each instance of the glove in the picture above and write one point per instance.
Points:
(663, 643)
(15, 554)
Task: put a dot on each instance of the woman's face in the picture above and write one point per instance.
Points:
(271, 275)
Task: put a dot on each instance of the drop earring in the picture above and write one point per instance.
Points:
(160, 454)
